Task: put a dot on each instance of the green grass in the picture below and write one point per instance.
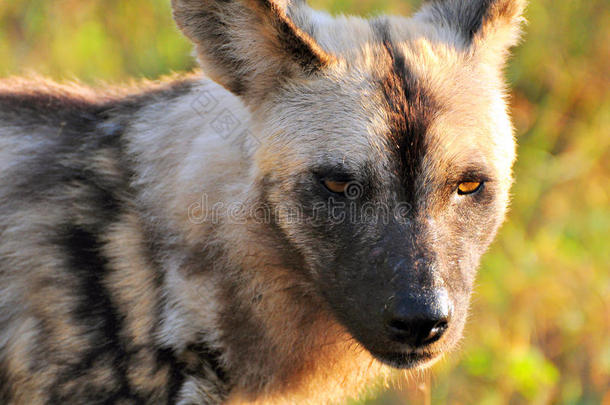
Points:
(540, 324)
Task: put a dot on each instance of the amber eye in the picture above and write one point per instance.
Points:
(338, 187)
(469, 187)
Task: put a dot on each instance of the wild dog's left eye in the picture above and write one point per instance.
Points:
(338, 187)
(469, 187)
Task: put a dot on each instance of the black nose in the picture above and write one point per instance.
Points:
(418, 320)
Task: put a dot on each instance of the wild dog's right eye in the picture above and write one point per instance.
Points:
(339, 187)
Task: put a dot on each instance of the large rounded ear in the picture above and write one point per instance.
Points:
(484, 26)
(248, 45)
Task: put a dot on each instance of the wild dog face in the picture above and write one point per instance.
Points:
(386, 151)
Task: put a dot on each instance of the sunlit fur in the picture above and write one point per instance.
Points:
(110, 286)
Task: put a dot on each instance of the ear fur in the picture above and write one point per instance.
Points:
(491, 26)
(247, 45)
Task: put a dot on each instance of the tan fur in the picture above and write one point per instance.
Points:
(132, 281)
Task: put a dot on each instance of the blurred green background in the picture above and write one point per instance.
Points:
(540, 326)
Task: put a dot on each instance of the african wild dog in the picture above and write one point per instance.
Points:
(128, 275)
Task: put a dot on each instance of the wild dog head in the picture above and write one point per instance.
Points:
(390, 140)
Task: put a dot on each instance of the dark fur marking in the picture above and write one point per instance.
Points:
(301, 47)
(206, 359)
(197, 360)
(467, 19)
(410, 108)
(5, 388)
(166, 358)
(474, 24)
(96, 310)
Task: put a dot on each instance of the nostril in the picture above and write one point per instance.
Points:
(399, 326)
(434, 333)
(417, 332)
